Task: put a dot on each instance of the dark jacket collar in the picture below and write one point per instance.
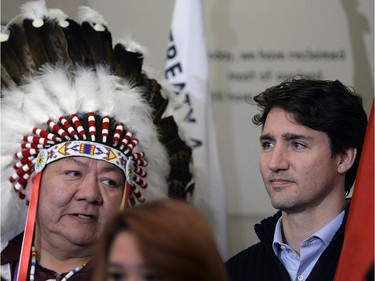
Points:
(266, 228)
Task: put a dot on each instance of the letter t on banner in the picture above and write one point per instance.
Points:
(187, 70)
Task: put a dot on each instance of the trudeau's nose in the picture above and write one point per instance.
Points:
(278, 158)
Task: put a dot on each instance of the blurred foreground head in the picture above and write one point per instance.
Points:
(166, 240)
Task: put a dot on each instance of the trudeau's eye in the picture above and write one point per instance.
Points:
(266, 145)
(298, 145)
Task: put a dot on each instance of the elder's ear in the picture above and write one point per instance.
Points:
(29, 186)
(346, 160)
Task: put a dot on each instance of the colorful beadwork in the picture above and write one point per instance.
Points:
(68, 138)
(33, 264)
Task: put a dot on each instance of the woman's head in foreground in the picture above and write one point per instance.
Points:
(166, 240)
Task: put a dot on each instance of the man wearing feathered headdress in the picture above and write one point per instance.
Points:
(82, 134)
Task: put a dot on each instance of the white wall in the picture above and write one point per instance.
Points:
(256, 28)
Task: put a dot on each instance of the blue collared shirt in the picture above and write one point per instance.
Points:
(300, 266)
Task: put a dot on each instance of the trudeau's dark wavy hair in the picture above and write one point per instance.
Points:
(322, 105)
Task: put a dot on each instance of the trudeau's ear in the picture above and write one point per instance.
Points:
(346, 160)
(29, 186)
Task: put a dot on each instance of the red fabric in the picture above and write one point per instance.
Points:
(29, 231)
(357, 254)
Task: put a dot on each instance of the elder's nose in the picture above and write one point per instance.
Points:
(89, 190)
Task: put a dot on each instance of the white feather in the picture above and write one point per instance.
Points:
(133, 46)
(86, 90)
(36, 107)
(34, 10)
(13, 212)
(56, 14)
(59, 86)
(4, 33)
(93, 17)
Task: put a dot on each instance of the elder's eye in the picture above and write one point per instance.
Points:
(111, 183)
(73, 173)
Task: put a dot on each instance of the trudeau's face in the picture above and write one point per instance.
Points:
(296, 163)
(77, 197)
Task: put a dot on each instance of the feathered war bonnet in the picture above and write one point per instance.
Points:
(66, 91)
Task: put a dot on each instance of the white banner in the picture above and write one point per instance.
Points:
(187, 69)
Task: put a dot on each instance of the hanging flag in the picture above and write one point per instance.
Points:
(187, 70)
(357, 255)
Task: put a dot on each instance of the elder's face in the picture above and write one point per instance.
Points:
(77, 197)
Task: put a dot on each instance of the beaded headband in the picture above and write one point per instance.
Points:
(44, 147)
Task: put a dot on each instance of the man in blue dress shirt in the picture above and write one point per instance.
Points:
(311, 141)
